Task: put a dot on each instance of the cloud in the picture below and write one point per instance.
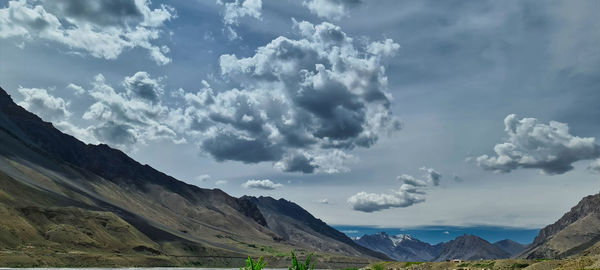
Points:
(203, 178)
(103, 29)
(595, 166)
(530, 144)
(142, 86)
(411, 191)
(83, 134)
(40, 102)
(220, 182)
(323, 161)
(261, 184)
(458, 179)
(330, 9)
(446, 232)
(78, 90)
(126, 118)
(299, 103)
(237, 9)
(323, 201)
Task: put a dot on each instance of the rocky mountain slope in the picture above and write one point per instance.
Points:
(576, 232)
(509, 246)
(298, 226)
(63, 202)
(401, 247)
(470, 247)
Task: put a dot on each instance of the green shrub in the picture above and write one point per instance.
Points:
(254, 265)
(351, 268)
(378, 267)
(296, 265)
(520, 265)
(485, 265)
(412, 263)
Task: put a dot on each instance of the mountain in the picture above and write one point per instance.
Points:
(298, 226)
(577, 232)
(400, 247)
(470, 247)
(64, 202)
(509, 246)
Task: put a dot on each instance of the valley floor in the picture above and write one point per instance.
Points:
(582, 262)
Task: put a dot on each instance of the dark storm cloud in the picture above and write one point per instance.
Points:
(105, 12)
(297, 163)
(298, 99)
(227, 146)
(141, 85)
(115, 133)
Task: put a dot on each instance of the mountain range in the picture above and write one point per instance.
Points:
(67, 203)
(64, 202)
(400, 247)
(466, 247)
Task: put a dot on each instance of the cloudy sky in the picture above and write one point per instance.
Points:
(383, 112)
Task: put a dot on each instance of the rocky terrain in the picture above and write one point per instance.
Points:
(509, 246)
(582, 262)
(576, 232)
(470, 247)
(67, 203)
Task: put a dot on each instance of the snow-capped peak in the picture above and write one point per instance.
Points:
(397, 239)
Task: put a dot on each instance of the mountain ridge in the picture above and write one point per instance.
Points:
(171, 222)
(400, 247)
(576, 232)
(470, 247)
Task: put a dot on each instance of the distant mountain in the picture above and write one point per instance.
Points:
(64, 202)
(400, 247)
(470, 247)
(298, 226)
(576, 233)
(511, 247)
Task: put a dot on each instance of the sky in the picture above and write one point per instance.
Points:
(385, 113)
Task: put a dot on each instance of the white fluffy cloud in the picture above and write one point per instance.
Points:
(262, 184)
(104, 29)
(78, 90)
(40, 102)
(130, 117)
(530, 144)
(331, 9)
(237, 9)
(411, 191)
(300, 103)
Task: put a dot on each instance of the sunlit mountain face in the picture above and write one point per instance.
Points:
(443, 118)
